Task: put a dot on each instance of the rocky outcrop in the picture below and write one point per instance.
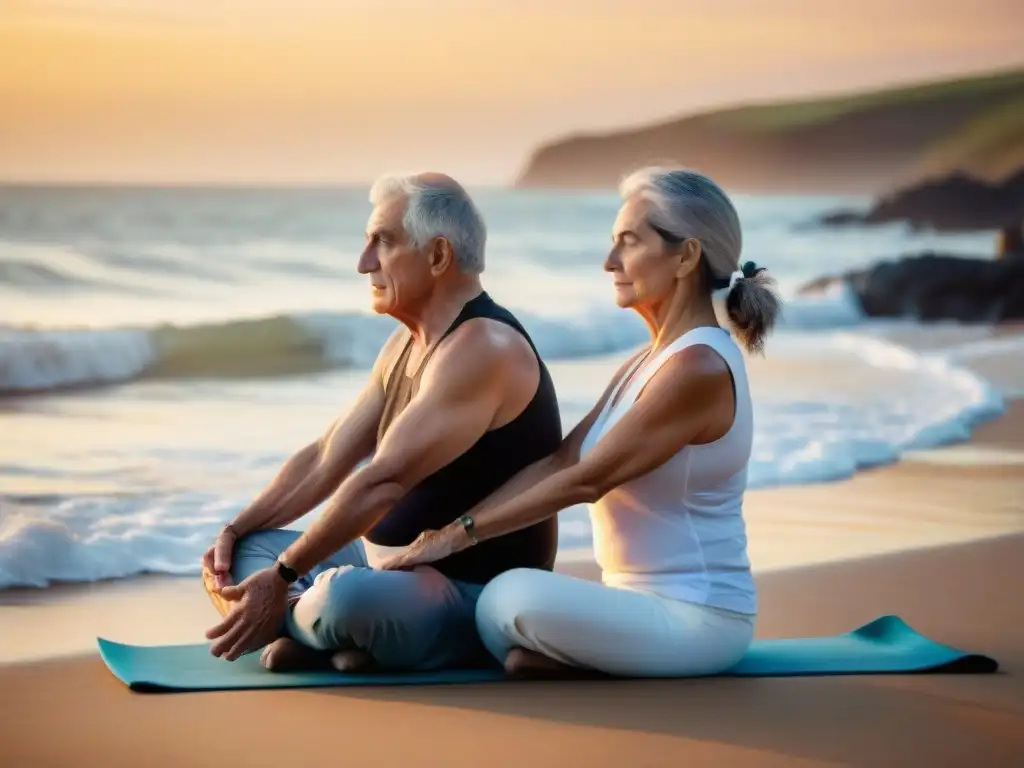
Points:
(956, 203)
(856, 143)
(932, 287)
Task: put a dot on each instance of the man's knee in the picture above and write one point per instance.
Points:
(403, 620)
(269, 543)
(352, 606)
(260, 549)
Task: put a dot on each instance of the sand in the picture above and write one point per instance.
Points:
(61, 707)
(73, 712)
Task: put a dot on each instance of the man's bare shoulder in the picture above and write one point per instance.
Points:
(492, 342)
(482, 353)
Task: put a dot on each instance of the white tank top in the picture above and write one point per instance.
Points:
(678, 531)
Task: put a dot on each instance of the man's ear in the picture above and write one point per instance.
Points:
(689, 257)
(442, 255)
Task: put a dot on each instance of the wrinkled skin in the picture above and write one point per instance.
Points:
(256, 620)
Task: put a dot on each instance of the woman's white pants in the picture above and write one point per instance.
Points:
(617, 631)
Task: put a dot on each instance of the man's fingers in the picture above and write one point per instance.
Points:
(229, 621)
(223, 580)
(241, 645)
(208, 559)
(232, 591)
(229, 640)
(222, 553)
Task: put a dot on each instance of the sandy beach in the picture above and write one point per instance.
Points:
(62, 707)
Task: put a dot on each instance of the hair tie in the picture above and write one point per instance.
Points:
(749, 269)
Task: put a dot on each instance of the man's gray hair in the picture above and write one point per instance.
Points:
(438, 208)
(689, 204)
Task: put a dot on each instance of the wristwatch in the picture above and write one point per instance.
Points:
(469, 526)
(286, 572)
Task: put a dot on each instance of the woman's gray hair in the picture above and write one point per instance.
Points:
(687, 204)
(438, 207)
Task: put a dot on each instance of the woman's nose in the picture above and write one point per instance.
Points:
(611, 261)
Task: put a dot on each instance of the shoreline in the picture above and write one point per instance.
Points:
(919, 504)
(936, 538)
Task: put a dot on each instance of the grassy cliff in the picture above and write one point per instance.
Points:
(864, 142)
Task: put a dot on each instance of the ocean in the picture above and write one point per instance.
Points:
(163, 351)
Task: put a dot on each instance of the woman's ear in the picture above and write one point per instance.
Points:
(689, 257)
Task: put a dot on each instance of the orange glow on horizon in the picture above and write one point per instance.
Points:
(119, 90)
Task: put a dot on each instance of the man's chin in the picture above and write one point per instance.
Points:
(380, 304)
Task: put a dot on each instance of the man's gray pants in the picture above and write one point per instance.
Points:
(405, 620)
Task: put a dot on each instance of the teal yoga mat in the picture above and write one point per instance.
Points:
(886, 645)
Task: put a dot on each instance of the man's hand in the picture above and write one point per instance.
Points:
(256, 620)
(217, 559)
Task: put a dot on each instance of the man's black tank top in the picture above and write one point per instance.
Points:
(497, 456)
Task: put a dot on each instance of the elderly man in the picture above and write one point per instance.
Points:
(458, 402)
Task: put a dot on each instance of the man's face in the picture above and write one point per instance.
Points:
(399, 273)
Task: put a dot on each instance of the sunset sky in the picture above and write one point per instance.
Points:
(320, 91)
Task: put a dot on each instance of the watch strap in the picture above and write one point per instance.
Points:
(469, 527)
(286, 572)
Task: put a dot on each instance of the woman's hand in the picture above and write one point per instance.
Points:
(429, 547)
(217, 559)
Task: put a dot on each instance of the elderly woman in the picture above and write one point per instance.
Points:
(661, 460)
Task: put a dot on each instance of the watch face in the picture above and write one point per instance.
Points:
(288, 573)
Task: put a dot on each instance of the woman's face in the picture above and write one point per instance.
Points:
(645, 268)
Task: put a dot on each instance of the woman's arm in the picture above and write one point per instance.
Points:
(676, 407)
(566, 455)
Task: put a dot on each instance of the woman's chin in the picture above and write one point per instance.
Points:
(625, 299)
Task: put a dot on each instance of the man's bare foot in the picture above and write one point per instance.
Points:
(528, 664)
(351, 661)
(287, 655)
(223, 606)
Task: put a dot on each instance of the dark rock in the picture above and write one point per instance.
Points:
(932, 287)
(955, 203)
(842, 219)
(1011, 241)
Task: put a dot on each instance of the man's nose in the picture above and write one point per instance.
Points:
(368, 261)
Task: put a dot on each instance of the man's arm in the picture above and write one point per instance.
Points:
(458, 399)
(309, 476)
